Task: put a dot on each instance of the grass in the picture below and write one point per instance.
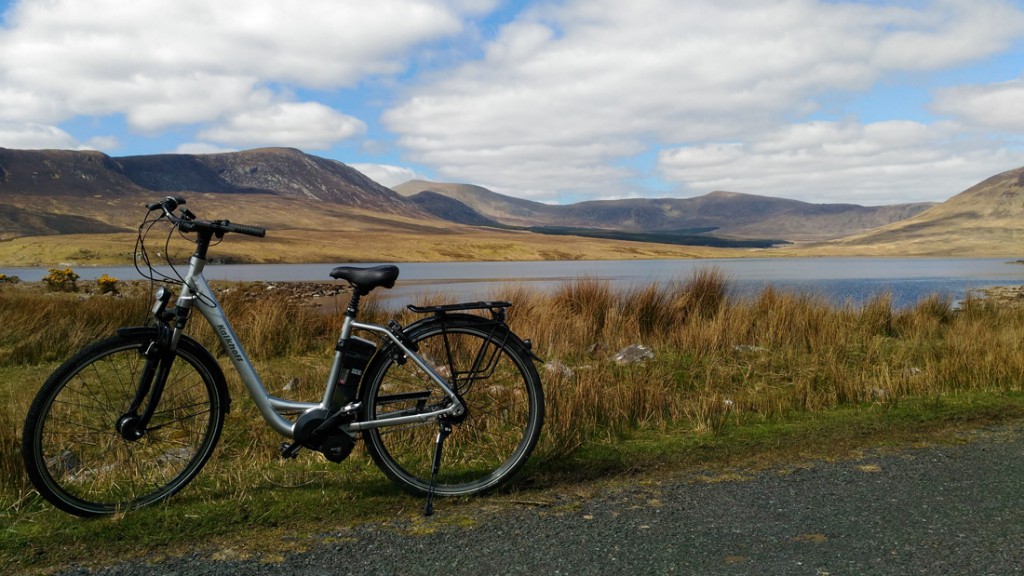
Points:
(732, 381)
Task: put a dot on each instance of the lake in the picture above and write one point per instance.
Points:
(839, 279)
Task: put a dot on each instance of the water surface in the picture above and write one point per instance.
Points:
(838, 279)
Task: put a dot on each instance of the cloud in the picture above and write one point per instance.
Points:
(29, 136)
(103, 143)
(304, 125)
(568, 94)
(161, 103)
(20, 105)
(995, 106)
(570, 99)
(385, 174)
(33, 136)
(875, 163)
(164, 64)
(950, 34)
(201, 148)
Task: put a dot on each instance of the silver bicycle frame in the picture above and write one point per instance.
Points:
(196, 293)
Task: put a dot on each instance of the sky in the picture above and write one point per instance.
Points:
(868, 102)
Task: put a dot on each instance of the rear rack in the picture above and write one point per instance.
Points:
(497, 309)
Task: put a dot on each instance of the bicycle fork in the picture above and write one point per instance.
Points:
(159, 356)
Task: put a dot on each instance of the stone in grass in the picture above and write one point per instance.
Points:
(634, 354)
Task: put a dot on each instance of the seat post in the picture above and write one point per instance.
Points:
(353, 303)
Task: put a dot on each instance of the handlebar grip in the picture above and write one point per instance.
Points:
(248, 230)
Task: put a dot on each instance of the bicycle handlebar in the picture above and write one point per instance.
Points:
(167, 204)
(220, 227)
(187, 222)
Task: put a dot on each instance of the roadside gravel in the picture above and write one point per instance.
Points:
(953, 509)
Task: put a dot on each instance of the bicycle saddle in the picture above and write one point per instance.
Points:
(366, 279)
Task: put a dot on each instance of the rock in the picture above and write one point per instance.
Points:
(1009, 296)
(634, 354)
(556, 368)
(747, 348)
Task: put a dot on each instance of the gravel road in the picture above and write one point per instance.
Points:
(956, 510)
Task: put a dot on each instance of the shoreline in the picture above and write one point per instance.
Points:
(331, 295)
(1002, 295)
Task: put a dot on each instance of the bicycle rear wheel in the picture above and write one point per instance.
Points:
(73, 452)
(499, 386)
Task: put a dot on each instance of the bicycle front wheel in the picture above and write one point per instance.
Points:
(73, 452)
(500, 388)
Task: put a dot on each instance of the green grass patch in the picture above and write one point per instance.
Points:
(294, 505)
(754, 442)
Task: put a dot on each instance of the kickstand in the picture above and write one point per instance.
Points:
(442, 433)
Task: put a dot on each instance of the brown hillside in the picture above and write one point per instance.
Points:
(62, 173)
(83, 208)
(284, 172)
(46, 192)
(488, 204)
(986, 219)
(303, 230)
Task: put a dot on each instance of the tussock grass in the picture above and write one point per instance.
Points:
(10, 461)
(40, 327)
(718, 361)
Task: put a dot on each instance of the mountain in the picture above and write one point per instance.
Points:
(450, 209)
(312, 203)
(284, 172)
(58, 191)
(62, 173)
(727, 214)
(491, 205)
(987, 218)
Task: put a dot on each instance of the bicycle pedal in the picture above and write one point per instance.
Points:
(290, 451)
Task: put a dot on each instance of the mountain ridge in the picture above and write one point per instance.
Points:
(41, 188)
(728, 214)
(57, 193)
(284, 171)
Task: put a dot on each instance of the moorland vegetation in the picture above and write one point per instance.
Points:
(727, 376)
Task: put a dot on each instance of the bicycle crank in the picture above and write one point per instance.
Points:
(337, 446)
(318, 430)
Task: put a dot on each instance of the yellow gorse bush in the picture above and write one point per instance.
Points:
(58, 280)
(107, 284)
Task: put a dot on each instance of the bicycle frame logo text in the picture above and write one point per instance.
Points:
(229, 343)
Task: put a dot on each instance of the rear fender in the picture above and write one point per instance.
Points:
(471, 319)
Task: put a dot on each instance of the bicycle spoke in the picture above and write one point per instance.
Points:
(487, 445)
(77, 458)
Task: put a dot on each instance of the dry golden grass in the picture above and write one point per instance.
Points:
(296, 246)
(322, 232)
(716, 359)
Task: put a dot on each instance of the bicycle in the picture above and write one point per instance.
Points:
(130, 420)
